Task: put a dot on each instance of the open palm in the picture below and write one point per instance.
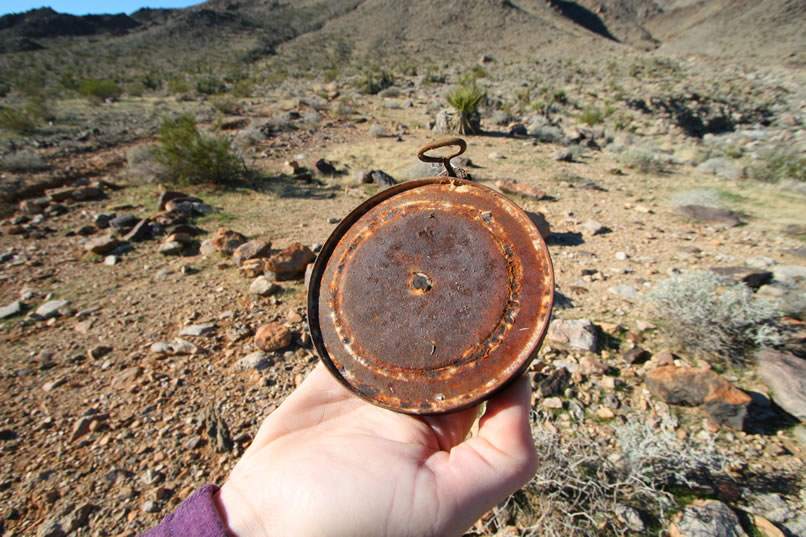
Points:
(326, 463)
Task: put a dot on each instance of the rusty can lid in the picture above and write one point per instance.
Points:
(431, 296)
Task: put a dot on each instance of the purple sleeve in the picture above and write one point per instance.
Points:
(195, 517)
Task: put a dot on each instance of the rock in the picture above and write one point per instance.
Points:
(766, 528)
(562, 155)
(99, 351)
(706, 518)
(177, 347)
(227, 241)
(30, 208)
(77, 518)
(789, 273)
(263, 287)
(101, 245)
(624, 291)
(123, 223)
(140, 231)
(197, 329)
(753, 278)
(708, 214)
(621, 256)
(364, 176)
(252, 267)
(382, 178)
(631, 517)
(255, 361)
(50, 528)
(539, 220)
(785, 375)
(592, 366)
(206, 248)
(15, 308)
(589, 228)
(577, 333)
(60, 194)
(333, 220)
(110, 260)
(50, 309)
(167, 196)
(101, 220)
(527, 191)
(251, 250)
(700, 387)
(216, 429)
(150, 506)
(291, 260)
(553, 384)
(325, 167)
(636, 355)
(272, 337)
(552, 402)
(605, 413)
(171, 248)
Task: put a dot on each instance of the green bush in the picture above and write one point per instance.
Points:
(191, 157)
(178, 85)
(374, 82)
(466, 101)
(591, 116)
(99, 89)
(209, 85)
(778, 166)
(708, 314)
(643, 160)
(225, 105)
(243, 88)
(25, 119)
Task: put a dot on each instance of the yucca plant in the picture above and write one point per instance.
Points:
(466, 100)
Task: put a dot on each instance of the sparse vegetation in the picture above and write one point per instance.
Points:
(709, 315)
(587, 486)
(191, 157)
(466, 101)
(25, 161)
(99, 90)
(643, 160)
(592, 116)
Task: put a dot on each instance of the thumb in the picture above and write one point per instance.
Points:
(483, 470)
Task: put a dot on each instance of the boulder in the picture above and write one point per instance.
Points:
(589, 228)
(325, 167)
(263, 287)
(693, 386)
(527, 191)
(576, 333)
(708, 214)
(101, 245)
(226, 241)
(50, 309)
(291, 260)
(15, 308)
(257, 361)
(251, 250)
(253, 267)
(785, 374)
(140, 231)
(167, 196)
(272, 337)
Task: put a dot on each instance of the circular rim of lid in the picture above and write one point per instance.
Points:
(525, 354)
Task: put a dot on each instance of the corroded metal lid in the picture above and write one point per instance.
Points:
(431, 296)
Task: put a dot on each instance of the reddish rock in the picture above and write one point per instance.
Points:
(167, 196)
(272, 337)
(592, 366)
(60, 194)
(181, 238)
(292, 260)
(30, 208)
(101, 245)
(527, 191)
(227, 241)
(253, 267)
(700, 387)
(251, 250)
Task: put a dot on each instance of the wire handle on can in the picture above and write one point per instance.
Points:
(446, 161)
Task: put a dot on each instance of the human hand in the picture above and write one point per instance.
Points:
(326, 463)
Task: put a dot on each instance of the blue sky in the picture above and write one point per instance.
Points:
(83, 7)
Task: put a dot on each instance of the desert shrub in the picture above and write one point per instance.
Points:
(373, 82)
(23, 162)
(26, 118)
(4, 89)
(225, 105)
(391, 93)
(378, 131)
(243, 88)
(342, 108)
(779, 166)
(585, 485)
(697, 196)
(101, 90)
(191, 157)
(643, 160)
(209, 85)
(591, 116)
(250, 136)
(178, 85)
(706, 313)
(466, 101)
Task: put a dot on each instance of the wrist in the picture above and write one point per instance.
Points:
(237, 513)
